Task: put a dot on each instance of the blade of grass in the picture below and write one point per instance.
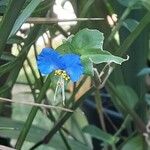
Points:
(24, 15)
(28, 123)
(21, 58)
(10, 16)
(131, 38)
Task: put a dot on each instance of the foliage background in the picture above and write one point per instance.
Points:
(127, 87)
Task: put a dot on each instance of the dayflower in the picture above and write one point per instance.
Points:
(67, 66)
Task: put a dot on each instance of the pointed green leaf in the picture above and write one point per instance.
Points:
(105, 56)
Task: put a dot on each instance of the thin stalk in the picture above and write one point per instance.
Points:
(123, 125)
(28, 123)
(99, 107)
(139, 123)
(32, 69)
(75, 91)
(41, 20)
(29, 81)
(14, 8)
(76, 123)
(64, 140)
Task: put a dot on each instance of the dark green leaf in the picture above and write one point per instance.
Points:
(24, 15)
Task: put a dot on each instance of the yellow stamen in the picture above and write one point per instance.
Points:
(63, 74)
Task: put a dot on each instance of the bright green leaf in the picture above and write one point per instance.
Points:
(66, 48)
(88, 41)
(105, 56)
(88, 66)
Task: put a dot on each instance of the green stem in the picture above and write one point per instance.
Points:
(10, 16)
(32, 69)
(131, 112)
(123, 126)
(99, 106)
(65, 140)
(31, 116)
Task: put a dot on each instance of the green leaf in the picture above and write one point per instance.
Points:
(105, 56)
(8, 21)
(87, 41)
(134, 143)
(89, 45)
(128, 95)
(66, 48)
(88, 66)
(100, 134)
(130, 24)
(24, 15)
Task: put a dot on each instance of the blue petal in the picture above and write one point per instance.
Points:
(75, 72)
(47, 61)
(70, 59)
(72, 65)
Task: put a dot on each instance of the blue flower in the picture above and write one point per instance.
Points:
(67, 66)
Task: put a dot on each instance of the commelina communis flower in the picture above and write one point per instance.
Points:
(67, 67)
